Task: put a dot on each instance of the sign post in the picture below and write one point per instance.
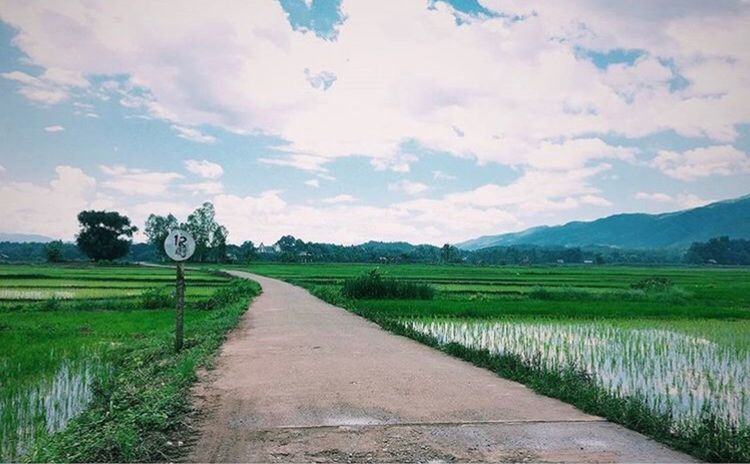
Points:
(179, 246)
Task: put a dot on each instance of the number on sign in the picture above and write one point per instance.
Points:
(179, 245)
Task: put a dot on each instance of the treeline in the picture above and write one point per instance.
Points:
(289, 249)
(721, 250)
(59, 251)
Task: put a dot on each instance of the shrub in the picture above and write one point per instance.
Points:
(651, 292)
(229, 293)
(653, 284)
(373, 285)
(53, 252)
(156, 298)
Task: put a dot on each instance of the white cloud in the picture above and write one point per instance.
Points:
(690, 200)
(315, 183)
(138, 181)
(526, 201)
(55, 128)
(267, 216)
(194, 135)
(2, 169)
(517, 92)
(521, 93)
(343, 198)
(48, 209)
(203, 188)
(204, 168)
(398, 163)
(38, 90)
(595, 200)
(408, 187)
(304, 162)
(714, 160)
(535, 191)
(656, 196)
(682, 200)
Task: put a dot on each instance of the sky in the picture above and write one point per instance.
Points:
(353, 120)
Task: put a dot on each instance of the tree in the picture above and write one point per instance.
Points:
(53, 252)
(104, 235)
(157, 228)
(210, 236)
(449, 253)
(202, 224)
(219, 244)
(247, 251)
(720, 250)
(289, 244)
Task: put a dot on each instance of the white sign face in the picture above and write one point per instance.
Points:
(179, 245)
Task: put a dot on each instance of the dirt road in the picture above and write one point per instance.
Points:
(300, 380)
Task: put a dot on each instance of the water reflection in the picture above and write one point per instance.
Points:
(27, 412)
(673, 372)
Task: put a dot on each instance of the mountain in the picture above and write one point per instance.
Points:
(21, 238)
(638, 230)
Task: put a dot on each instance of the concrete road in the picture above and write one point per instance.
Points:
(303, 381)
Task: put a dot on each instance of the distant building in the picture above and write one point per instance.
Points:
(588, 261)
(305, 257)
(560, 261)
(268, 249)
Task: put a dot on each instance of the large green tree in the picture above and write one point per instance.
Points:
(104, 235)
(219, 244)
(157, 228)
(210, 236)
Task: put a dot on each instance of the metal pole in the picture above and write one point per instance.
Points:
(180, 306)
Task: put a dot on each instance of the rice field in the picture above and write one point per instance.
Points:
(61, 327)
(681, 374)
(682, 353)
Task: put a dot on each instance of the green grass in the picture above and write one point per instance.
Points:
(95, 378)
(588, 335)
(710, 286)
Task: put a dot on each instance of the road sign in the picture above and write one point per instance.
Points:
(179, 245)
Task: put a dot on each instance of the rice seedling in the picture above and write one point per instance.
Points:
(682, 375)
(29, 412)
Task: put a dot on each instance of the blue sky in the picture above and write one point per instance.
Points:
(343, 122)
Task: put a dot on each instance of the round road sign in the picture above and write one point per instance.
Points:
(179, 245)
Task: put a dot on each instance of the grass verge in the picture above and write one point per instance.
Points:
(141, 412)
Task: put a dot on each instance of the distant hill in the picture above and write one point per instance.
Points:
(24, 238)
(638, 230)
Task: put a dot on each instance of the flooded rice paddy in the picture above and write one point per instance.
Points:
(31, 410)
(679, 372)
